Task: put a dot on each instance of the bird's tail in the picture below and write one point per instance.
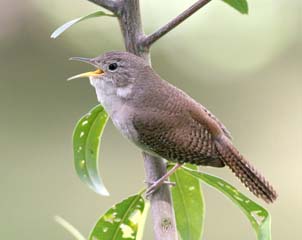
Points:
(247, 174)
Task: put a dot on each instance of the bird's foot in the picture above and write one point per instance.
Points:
(169, 183)
(156, 185)
(163, 180)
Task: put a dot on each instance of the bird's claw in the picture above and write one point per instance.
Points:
(163, 180)
(156, 185)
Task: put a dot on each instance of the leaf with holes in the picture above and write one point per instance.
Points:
(257, 215)
(86, 141)
(239, 5)
(69, 24)
(188, 203)
(122, 221)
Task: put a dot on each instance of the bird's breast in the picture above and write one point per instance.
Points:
(122, 120)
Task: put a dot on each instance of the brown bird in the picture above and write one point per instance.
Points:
(164, 121)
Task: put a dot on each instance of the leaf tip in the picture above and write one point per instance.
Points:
(54, 35)
(245, 11)
(104, 193)
(57, 218)
(68, 227)
(240, 5)
(100, 189)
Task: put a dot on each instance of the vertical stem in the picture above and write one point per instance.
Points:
(131, 26)
(161, 202)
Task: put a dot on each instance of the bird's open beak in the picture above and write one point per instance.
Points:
(95, 73)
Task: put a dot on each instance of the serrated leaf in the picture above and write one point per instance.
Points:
(69, 24)
(86, 141)
(121, 222)
(258, 216)
(68, 227)
(239, 5)
(188, 203)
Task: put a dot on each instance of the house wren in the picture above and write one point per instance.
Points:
(164, 121)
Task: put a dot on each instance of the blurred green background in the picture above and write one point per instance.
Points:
(245, 69)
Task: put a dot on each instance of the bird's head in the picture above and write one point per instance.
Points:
(115, 71)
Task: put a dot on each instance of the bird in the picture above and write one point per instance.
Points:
(166, 122)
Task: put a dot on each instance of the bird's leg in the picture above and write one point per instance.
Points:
(169, 183)
(155, 185)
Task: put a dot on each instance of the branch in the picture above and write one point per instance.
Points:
(161, 202)
(128, 13)
(131, 26)
(110, 5)
(150, 39)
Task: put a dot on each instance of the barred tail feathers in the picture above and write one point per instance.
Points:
(247, 174)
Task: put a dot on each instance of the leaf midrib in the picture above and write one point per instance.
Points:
(86, 143)
(124, 217)
(182, 198)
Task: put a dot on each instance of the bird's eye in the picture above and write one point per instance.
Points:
(112, 67)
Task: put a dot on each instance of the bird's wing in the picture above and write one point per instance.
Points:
(212, 116)
(204, 117)
(177, 137)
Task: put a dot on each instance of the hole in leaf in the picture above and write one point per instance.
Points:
(135, 216)
(127, 231)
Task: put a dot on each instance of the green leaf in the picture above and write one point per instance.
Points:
(121, 222)
(188, 203)
(71, 229)
(140, 231)
(67, 25)
(240, 5)
(257, 215)
(86, 141)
